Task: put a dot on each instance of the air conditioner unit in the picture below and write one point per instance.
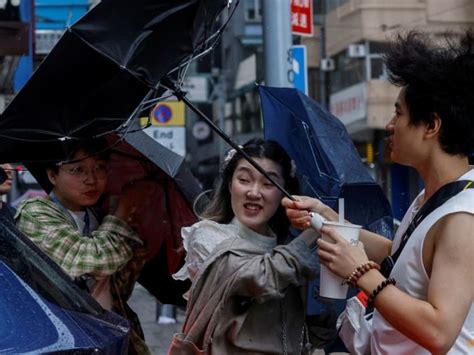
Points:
(356, 51)
(328, 64)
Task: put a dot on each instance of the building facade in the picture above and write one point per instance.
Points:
(346, 74)
(356, 34)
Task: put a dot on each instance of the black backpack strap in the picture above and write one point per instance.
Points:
(439, 197)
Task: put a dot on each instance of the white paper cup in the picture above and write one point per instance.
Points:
(330, 285)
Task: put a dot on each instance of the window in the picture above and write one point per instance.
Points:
(253, 10)
(244, 114)
(349, 71)
(332, 4)
(377, 68)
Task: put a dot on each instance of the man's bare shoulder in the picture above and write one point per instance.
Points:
(454, 234)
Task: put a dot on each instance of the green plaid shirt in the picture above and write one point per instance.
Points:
(54, 231)
(113, 249)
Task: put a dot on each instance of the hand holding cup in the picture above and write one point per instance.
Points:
(340, 253)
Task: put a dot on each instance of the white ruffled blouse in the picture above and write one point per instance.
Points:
(200, 240)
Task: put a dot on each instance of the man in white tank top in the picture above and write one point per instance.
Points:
(426, 305)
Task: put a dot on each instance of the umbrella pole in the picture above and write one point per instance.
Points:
(181, 95)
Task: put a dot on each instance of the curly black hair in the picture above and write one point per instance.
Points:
(438, 79)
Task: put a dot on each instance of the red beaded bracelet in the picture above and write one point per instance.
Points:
(379, 288)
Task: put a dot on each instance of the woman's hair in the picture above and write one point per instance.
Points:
(220, 208)
(437, 80)
(98, 147)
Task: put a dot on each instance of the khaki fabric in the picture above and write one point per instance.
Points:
(242, 296)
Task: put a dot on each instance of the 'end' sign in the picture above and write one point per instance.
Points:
(302, 17)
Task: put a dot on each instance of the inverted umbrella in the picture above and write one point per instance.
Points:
(328, 164)
(101, 72)
(329, 168)
(102, 75)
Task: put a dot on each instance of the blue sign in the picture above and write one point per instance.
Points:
(300, 69)
(162, 113)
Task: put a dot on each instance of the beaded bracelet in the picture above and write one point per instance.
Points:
(379, 288)
(359, 271)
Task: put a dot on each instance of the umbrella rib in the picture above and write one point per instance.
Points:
(40, 131)
(306, 129)
(120, 65)
(282, 103)
(293, 113)
(214, 37)
(167, 83)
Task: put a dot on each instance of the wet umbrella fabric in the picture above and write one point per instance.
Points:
(328, 164)
(39, 301)
(328, 167)
(101, 70)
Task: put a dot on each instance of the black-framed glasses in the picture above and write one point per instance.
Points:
(99, 171)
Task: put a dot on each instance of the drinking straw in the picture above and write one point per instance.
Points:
(341, 210)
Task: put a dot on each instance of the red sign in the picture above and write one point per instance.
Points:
(302, 17)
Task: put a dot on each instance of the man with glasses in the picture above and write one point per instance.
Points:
(105, 255)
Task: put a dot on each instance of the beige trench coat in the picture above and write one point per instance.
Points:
(243, 298)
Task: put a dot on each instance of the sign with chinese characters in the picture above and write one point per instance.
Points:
(350, 105)
(302, 17)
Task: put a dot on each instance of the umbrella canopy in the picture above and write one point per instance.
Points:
(328, 164)
(43, 311)
(101, 70)
(328, 167)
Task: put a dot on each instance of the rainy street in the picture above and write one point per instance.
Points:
(302, 171)
(157, 336)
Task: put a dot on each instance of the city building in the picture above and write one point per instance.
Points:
(345, 74)
(236, 66)
(356, 33)
(14, 43)
(52, 17)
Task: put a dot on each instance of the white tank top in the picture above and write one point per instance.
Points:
(411, 277)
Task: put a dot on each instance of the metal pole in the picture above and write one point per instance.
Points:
(277, 42)
(167, 83)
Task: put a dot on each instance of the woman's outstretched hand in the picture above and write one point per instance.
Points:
(298, 211)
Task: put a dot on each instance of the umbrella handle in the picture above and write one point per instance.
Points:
(168, 84)
(316, 220)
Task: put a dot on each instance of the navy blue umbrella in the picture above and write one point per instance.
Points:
(43, 311)
(328, 165)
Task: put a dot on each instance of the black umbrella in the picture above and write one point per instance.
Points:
(102, 72)
(102, 75)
